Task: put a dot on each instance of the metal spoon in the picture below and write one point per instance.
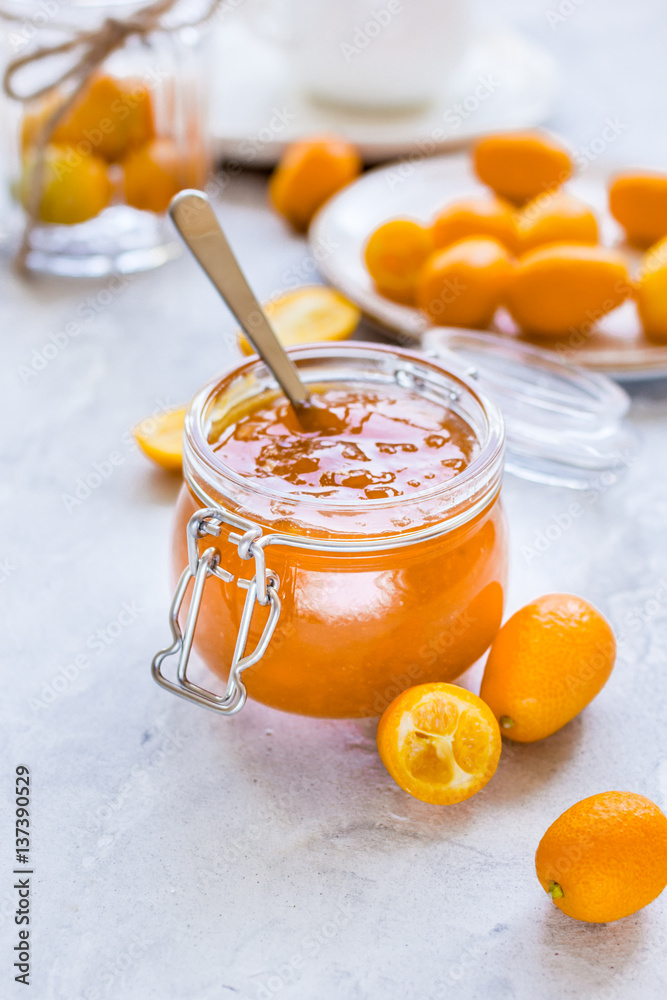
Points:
(193, 216)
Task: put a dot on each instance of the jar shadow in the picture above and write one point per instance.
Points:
(325, 776)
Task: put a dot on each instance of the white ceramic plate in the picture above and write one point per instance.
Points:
(420, 189)
(505, 82)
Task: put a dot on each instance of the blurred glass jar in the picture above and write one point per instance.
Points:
(135, 135)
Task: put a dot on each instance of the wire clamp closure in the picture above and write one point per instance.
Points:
(262, 589)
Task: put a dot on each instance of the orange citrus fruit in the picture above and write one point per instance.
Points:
(439, 742)
(309, 172)
(74, 187)
(651, 293)
(520, 165)
(546, 664)
(638, 201)
(555, 218)
(155, 172)
(394, 256)
(307, 315)
(605, 857)
(566, 288)
(463, 284)
(35, 117)
(161, 438)
(110, 115)
(475, 217)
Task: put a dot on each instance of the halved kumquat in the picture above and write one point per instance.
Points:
(439, 742)
(161, 438)
(307, 315)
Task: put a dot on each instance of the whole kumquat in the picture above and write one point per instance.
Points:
(74, 188)
(475, 217)
(546, 664)
(439, 742)
(605, 857)
(651, 293)
(394, 256)
(464, 284)
(519, 166)
(108, 118)
(155, 172)
(309, 173)
(638, 201)
(556, 218)
(566, 288)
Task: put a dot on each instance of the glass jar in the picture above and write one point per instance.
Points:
(91, 198)
(349, 603)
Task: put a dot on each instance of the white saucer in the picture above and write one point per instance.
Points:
(257, 108)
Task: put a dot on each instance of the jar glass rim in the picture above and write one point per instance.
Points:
(201, 462)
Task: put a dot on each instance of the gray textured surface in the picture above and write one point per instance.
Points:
(180, 855)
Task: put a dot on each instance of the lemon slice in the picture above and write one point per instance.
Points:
(309, 314)
(161, 438)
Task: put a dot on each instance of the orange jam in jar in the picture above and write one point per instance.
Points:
(377, 517)
(355, 442)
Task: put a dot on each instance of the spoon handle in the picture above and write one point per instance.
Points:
(193, 216)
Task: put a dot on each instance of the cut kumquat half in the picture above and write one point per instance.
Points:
(308, 315)
(439, 742)
(161, 438)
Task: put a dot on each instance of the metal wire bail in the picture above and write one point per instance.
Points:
(261, 589)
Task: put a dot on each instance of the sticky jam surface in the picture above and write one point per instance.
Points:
(357, 443)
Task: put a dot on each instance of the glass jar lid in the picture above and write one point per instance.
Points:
(564, 425)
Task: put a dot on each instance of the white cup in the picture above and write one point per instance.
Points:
(387, 55)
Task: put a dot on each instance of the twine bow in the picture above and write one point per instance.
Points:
(94, 47)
